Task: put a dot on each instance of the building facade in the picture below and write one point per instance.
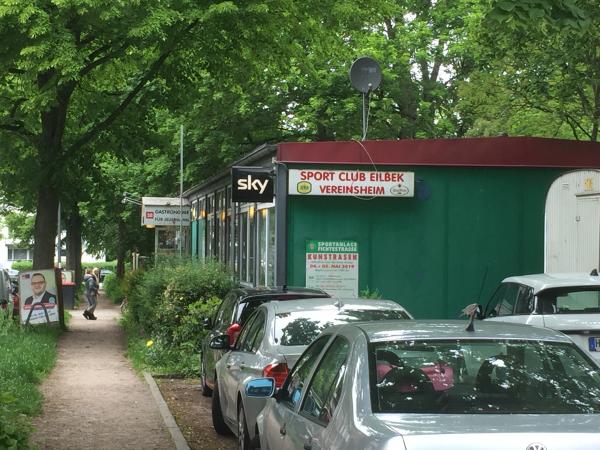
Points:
(472, 211)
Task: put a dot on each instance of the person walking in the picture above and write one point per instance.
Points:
(91, 292)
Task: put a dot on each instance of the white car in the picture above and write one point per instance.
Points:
(569, 303)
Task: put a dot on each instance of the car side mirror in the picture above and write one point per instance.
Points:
(260, 388)
(220, 342)
(207, 323)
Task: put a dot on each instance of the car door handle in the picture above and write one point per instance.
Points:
(282, 430)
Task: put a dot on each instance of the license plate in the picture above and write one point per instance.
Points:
(594, 344)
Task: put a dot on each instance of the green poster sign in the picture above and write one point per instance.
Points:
(333, 267)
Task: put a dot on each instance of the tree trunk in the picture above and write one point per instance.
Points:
(74, 244)
(121, 250)
(46, 221)
(49, 172)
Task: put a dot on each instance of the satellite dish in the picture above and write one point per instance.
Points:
(365, 74)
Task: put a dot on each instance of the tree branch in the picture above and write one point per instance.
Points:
(152, 71)
(101, 60)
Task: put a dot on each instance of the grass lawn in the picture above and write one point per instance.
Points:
(26, 357)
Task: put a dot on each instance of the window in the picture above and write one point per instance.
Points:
(244, 246)
(570, 300)
(242, 338)
(266, 245)
(224, 316)
(326, 384)
(271, 248)
(503, 301)
(301, 327)
(251, 245)
(525, 300)
(15, 254)
(201, 235)
(291, 391)
(221, 215)
(262, 246)
(210, 226)
(167, 239)
(253, 338)
(482, 377)
(235, 240)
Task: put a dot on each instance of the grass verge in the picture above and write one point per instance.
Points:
(26, 357)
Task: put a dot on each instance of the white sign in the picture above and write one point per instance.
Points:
(333, 267)
(165, 215)
(38, 296)
(351, 183)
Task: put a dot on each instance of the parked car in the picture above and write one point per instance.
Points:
(417, 385)
(565, 302)
(237, 306)
(14, 275)
(104, 273)
(270, 343)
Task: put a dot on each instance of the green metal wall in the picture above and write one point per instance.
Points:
(466, 229)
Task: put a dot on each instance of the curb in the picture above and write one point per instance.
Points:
(176, 434)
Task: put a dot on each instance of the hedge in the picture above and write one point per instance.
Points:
(22, 265)
(167, 305)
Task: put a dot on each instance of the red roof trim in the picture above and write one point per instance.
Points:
(477, 152)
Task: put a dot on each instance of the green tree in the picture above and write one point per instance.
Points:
(538, 70)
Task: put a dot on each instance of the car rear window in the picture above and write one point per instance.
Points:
(246, 308)
(580, 300)
(482, 377)
(302, 327)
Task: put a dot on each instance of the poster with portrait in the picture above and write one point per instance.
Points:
(38, 296)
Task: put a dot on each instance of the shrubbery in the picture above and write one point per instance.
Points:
(166, 306)
(113, 288)
(110, 265)
(26, 356)
(22, 265)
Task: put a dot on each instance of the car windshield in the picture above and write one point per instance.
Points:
(302, 327)
(575, 300)
(482, 377)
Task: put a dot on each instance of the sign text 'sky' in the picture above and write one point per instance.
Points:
(251, 184)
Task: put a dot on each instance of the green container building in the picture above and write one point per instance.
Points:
(472, 214)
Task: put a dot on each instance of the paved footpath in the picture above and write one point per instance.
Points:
(93, 398)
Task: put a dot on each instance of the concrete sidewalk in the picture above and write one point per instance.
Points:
(93, 398)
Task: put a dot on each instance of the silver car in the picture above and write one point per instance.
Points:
(417, 385)
(270, 343)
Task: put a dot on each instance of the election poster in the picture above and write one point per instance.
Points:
(38, 297)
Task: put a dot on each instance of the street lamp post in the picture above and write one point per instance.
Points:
(181, 192)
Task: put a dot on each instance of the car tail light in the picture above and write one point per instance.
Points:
(278, 371)
(233, 332)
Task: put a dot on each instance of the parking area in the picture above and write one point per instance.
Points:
(192, 412)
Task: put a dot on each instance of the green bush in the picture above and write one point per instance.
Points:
(26, 356)
(113, 288)
(22, 265)
(167, 306)
(110, 265)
